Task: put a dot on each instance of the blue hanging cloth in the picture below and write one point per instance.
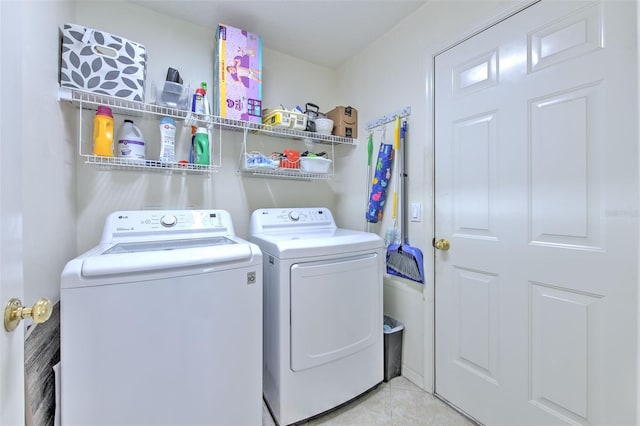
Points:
(381, 178)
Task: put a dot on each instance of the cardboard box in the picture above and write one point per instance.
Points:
(237, 75)
(99, 62)
(345, 121)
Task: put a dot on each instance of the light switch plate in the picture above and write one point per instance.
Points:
(416, 212)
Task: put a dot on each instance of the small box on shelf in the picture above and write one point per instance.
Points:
(345, 121)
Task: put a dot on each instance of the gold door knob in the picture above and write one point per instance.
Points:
(442, 244)
(14, 312)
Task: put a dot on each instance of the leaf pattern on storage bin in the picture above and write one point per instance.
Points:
(123, 93)
(93, 82)
(77, 78)
(74, 59)
(96, 65)
(129, 82)
(109, 85)
(111, 75)
(85, 69)
(110, 62)
(82, 68)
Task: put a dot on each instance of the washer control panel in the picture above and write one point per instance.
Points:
(294, 215)
(168, 221)
(123, 223)
(264, 219)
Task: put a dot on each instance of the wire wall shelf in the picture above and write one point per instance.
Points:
(116, 163)
(291, 174)
(84, 99)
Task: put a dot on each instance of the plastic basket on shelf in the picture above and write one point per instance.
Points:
(284, 118)
(319, 165)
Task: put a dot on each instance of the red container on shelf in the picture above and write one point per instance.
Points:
(290, 159)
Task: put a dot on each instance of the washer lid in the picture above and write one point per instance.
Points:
(152, 256)
(135, 247)
(294, 244)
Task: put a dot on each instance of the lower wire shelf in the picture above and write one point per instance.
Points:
(283, 173)
(116, 163)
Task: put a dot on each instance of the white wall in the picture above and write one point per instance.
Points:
(388, 75)
(48, 173)
(189, 48)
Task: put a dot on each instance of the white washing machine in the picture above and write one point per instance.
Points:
(161, 324)
(323, 320)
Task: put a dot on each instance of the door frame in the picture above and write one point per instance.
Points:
(430, 299)
(12, 394)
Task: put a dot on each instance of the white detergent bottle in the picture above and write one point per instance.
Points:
(167, 140)
(131, 142)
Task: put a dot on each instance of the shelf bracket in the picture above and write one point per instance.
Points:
(243, 151)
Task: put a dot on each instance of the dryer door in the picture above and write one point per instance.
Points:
(336, 308)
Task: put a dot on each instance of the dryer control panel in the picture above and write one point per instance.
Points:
(288, 218)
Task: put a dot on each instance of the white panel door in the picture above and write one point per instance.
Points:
(536, 190)
(11, 344)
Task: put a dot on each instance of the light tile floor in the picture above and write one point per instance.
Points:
(396, 403)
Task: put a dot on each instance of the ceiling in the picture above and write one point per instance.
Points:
(324, 32)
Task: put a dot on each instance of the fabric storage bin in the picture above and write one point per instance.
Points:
(99, 62)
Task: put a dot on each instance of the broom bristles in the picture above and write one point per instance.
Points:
(404, 264)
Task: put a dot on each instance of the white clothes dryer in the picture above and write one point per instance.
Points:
(323, 320)
(161, 324)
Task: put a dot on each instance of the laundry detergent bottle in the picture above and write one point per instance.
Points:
(103, 132)
(167, 140)
(201, 146)
(131, 142)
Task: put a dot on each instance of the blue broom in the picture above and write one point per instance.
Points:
(404, 260)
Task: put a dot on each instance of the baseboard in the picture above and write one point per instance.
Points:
(413, 377)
